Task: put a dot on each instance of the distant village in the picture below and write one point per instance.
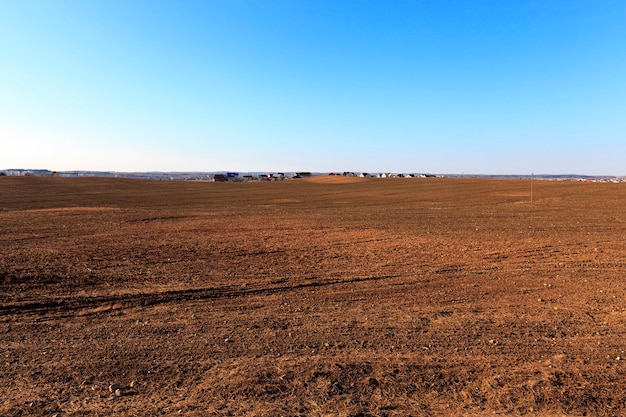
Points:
(278, 176)
(224, 176)
(220, 176)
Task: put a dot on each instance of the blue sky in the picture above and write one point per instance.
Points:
(484, 87)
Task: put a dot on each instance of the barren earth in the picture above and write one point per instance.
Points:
(313, 297)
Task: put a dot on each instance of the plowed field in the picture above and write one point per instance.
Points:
(315, 297)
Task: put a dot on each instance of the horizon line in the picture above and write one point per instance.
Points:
(43, 171)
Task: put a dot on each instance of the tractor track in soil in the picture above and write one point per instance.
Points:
(96, 304)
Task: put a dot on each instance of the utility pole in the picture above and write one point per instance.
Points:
(532, 178)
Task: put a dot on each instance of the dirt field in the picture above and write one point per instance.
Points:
(316, 297)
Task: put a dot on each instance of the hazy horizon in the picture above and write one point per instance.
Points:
(482, 87)
(350, 173)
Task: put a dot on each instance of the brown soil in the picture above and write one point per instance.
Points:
(333, 179)
(421, 297)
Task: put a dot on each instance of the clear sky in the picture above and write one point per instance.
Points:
(437, 86)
